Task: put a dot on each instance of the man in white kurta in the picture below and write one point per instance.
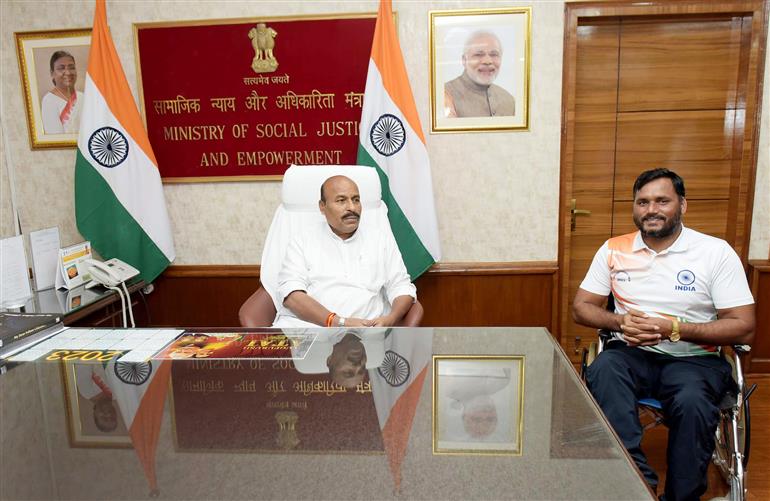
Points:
(337, 274)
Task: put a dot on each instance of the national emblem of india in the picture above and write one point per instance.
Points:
(263, 40)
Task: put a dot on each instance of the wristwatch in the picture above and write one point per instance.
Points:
(675, 336)
(341, 322)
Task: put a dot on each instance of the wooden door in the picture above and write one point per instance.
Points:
(665, 89)
(596, 92)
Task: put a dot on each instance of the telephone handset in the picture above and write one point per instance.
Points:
(110, 273)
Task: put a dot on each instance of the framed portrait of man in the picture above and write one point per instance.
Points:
(52, 66)
(478, 404)
(479, 69)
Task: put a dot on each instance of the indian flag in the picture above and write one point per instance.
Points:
(140, 390)
(119, 202)
(396, 388)
(392, 142)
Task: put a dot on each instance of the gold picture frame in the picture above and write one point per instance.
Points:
(480, 69)
(44, 106)
(478, 405)
(80, 400)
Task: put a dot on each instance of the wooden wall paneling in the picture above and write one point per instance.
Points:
(593, 158)
(566, 159)
(759, 277)
(201, 296)
(698, 145)
(661, 62)
(452, 294)
(750, 102)
(488, 294)
(742, 177)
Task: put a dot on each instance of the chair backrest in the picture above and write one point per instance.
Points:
(258, 310)
(300, 193)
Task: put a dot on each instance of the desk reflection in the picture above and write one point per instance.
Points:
(284, 425)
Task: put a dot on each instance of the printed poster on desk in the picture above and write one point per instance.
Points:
(72, 268)
(265, 345)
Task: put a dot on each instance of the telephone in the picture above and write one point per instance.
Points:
(110, 273)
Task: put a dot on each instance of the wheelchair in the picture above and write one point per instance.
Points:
(733, 437)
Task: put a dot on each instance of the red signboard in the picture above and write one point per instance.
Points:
(247, 98)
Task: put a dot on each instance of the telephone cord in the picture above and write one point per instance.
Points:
(128, 304)
(122, 304)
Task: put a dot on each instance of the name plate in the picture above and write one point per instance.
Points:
(244, 99)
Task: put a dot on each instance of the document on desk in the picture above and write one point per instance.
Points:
(45, 245)
(14, 287)
(266, 344)
(127, 345)
(71, 265)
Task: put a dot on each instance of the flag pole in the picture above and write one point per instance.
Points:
(11, 174)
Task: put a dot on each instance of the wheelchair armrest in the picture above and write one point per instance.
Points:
(605, 334)
(742, 349)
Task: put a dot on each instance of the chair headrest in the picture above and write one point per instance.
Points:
(300, 192)
(301, 187)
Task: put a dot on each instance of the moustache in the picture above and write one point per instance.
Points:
(351, 214)
(355, 356)
(653, 218)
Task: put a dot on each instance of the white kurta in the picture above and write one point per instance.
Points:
(51, 110)
(87, 387)
(358, 277)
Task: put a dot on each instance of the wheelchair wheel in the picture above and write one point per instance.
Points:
(725, 457)
(589, 355)
(737, 492)
(593, 352)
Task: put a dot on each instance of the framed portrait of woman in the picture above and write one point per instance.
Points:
(94, 417)
(52, 66)
(479, 69)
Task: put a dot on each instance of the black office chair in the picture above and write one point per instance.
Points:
(733, 434)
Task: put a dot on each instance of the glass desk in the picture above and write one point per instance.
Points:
(445, 413)
(76, 303)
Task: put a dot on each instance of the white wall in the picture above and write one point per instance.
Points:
(6, 211)
(760, 225)
(496, 193)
